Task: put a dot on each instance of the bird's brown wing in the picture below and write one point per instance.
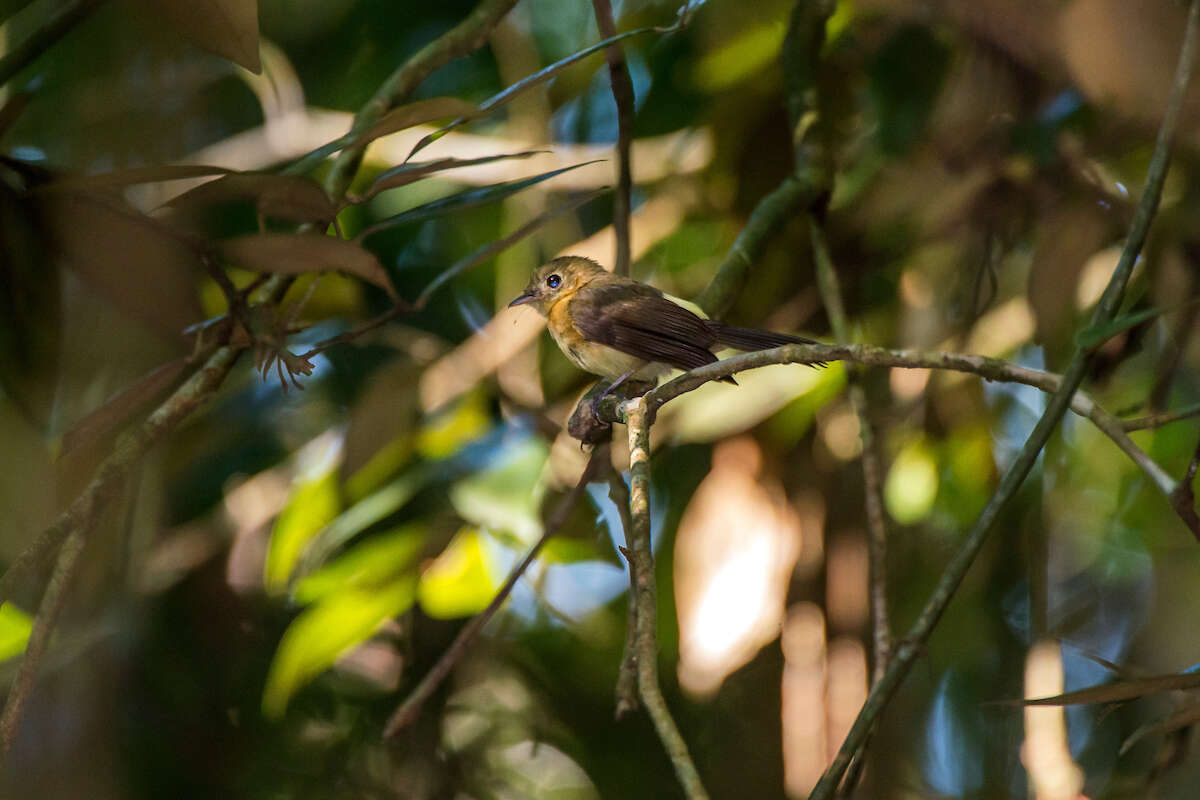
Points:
(636, 319)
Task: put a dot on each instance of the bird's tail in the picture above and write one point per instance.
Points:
(750, 339)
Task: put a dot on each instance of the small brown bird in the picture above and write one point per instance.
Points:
(618, 328)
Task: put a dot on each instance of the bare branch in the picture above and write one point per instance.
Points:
(622, 89)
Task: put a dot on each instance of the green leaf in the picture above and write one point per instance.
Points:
(461, 201)
(312, 506)
(382, 558)
(529, 82)
(298, 253)
(410, 173)
(459, 582)
(506, 497)
(906, 78)
(15, 627)
(1093, 336)
(316, 638)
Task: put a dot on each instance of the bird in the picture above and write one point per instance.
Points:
(619, 328)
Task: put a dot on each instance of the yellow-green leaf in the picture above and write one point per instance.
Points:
(312, 506)
(458, 583)
(911, 484)
(15, 627)
(316, 638)
(380, 559)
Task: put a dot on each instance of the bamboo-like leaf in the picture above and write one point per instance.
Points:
(298, 253)
(131, 177)
(1122, 690)
(121, 406)
(297, 198)
(1180, 718)
(481, 254)
(228, 28)
(409, 173)
(527, 83)
(461, 201)
(398, 119)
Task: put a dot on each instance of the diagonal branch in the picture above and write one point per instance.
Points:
(408, 711)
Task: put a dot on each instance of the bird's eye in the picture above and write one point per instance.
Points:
(554, 281)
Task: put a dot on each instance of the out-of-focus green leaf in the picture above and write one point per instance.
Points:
(459, 582)
(315, 639)
(506, 497)
(1095, 335)
(447, 432)
(297, 198)
(382, 558)
(408, 173)
(11, 110)
(298, 253)
(471, 198)
(912, 483)
(906, 78)
(312, 506)
(565, 550)
(741, 57)
(228, 28)
(360, 516)
(15, 627)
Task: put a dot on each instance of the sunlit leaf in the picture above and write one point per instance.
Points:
(471, 198)
(459, 582)
(298, 253)
(15, 627)
(322, 632)
(312, 506)
(740, 57)
(568, 550)
(405, 174)
(119, 407)
(290, 197)
(447, 432)
(228, 28)
(380, 559)
(506, 496)
(912, 484)
(482, 254)
(1180, 718)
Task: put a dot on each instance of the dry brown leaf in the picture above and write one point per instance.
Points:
(296, 198)
(228, 28)
(299, 253)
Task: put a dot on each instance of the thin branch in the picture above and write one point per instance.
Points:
(39, 639)
(831, 293)
(627, 675)
(408, 711)
(641, 562)
(622, 90)
(1183, 499)
(64, 20)
(464, 38)
(883, 691)
(1160, 419)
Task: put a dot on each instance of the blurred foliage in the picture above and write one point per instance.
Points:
(286, 566)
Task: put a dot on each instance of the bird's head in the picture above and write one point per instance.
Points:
(558, 279)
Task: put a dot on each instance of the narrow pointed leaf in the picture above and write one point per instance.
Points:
(409, 173)
(1094, 336)
(482, 254)
(461, 201)
(1123, 690)
(118, 408)
(1181, 718)
(132, 176)
(228, 28)
(299, 253)
(527, 83)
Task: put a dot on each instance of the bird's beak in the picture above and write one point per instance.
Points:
(523, 299)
